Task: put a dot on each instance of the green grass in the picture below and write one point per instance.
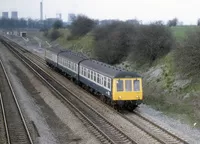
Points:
(181, 31)
(38, 35)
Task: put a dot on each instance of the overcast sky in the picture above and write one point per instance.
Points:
(187, 11)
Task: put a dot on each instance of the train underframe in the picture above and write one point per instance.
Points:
(129, 105)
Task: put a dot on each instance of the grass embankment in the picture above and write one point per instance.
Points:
(36, 37)
(83, 44)
(168, 91)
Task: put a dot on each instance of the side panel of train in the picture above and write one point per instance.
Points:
(87, 76)
(96, 87)
(96, 80)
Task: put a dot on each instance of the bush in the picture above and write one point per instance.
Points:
(153, 41)
(45, 33)
(113, 41)
(187, 55)
(58, 24)
(55, 34)
(81, 26)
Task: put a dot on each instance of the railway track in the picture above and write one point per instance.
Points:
(105, 131)
(16, 130)
(158, 133)
(161, 134)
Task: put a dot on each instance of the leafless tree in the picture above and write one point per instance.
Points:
(173, 22)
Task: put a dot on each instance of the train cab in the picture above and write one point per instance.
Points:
(127, 89)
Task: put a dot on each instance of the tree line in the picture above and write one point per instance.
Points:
(23, 23)
(116, 41)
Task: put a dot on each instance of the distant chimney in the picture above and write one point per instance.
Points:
(41, 10)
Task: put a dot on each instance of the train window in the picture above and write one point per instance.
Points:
(92, 75)
(98, 78)
(120, 86)
(136, 84)
(128, 85)
(105, 81)
(109, 83)
(70, 65)
(89, 74)
(95, 76)
(80, 70)
(65, 62)
(76, 67)
(84, 71)
(101, 81)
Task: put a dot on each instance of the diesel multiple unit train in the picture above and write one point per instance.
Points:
(120, 88)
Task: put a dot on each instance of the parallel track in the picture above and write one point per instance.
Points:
(161, 134)
(105, 131)
(15, 126)
(4, 121)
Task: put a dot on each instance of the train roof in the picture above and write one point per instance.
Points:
(111, 71)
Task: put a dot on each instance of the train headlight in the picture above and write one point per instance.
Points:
(120, 97)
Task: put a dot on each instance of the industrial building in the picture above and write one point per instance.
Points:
(5, 15)
(59, 16)
(14, 15)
